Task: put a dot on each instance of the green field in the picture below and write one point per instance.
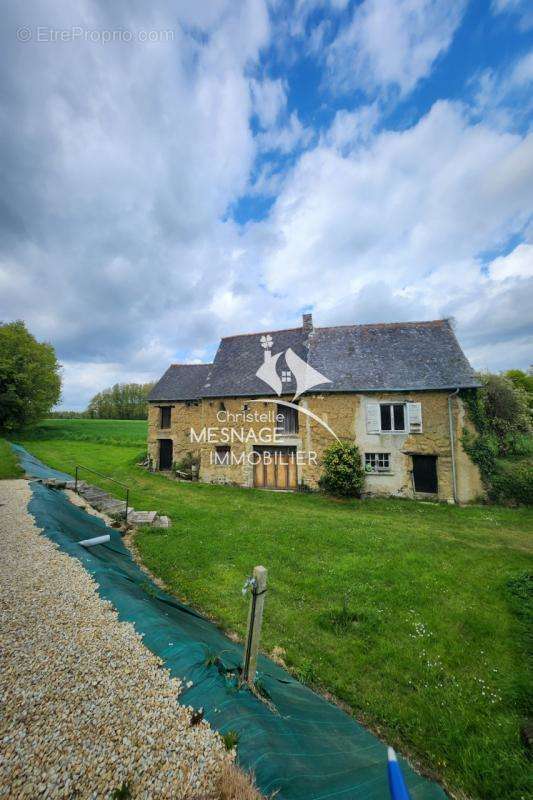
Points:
(431, 647)
(102, 431)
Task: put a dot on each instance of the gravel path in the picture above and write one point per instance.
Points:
(86, 707)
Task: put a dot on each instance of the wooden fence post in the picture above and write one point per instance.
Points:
(255, 620)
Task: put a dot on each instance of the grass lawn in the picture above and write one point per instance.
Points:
(9, 467)
(431, 648)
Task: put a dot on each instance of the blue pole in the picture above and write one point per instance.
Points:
(397, 787)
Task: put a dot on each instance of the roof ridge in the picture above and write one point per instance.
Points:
(261, 333)
(410, 324)
(210, 364)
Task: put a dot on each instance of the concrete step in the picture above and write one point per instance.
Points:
(106, 504)
(161, 522)
(54, 483)
(93, 495)
(110, 504)
(142, 517)
(120, 512)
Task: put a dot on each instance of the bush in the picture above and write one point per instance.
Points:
(502, 418)
(343, 473)
(506, 411)
(483, 450)
(188, 465)
(512, 484)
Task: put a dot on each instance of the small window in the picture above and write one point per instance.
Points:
(190, 403)
(289, 423)
(377, 462)
(165, 416)
(221, 406)
(392, 417)
(222, 454)
(286, 376)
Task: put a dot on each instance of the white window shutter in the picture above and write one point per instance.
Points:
(373, 421)
(414, 414)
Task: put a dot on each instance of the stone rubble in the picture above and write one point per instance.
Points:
(86, 706)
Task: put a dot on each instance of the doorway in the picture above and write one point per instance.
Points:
(275, 468)
(425, 474)
(165, 454)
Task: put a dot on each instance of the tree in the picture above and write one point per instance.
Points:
(343, 474)
(30, 381)
(522, 380)
(121, 401)
(506, 410)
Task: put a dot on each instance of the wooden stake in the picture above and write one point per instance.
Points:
(255, 620)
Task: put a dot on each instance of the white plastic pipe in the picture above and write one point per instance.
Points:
(96, 540)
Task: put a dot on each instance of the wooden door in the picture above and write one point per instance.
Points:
(275, 468)
(165, 454)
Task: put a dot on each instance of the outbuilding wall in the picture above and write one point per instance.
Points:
(345, 415)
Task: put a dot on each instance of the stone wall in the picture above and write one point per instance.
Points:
(182, 417)
(345, 414)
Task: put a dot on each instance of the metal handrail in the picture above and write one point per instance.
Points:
(107, 478)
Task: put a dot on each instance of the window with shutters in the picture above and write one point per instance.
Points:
(392, 417)
(164, 421)
(377, 462)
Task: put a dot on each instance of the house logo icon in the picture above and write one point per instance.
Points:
(306, 377)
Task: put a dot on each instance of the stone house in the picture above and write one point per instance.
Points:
(263, 413)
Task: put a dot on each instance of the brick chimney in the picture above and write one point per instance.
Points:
(307, 323)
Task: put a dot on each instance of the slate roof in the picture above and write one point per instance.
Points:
(180, 382)
(239, 357)
(394, 356)
(399, 356)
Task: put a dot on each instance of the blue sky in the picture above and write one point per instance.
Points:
(367, 161)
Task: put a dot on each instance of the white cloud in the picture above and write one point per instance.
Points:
(397, 228)
(517, 264)
(269, 100)
(119, 163)
(392, 43)
(286, 137)
(410, 201)
(304, 8)
(505, 97)
(521, 8)
(351, 128)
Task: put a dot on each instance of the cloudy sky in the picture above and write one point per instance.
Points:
(175, 171)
